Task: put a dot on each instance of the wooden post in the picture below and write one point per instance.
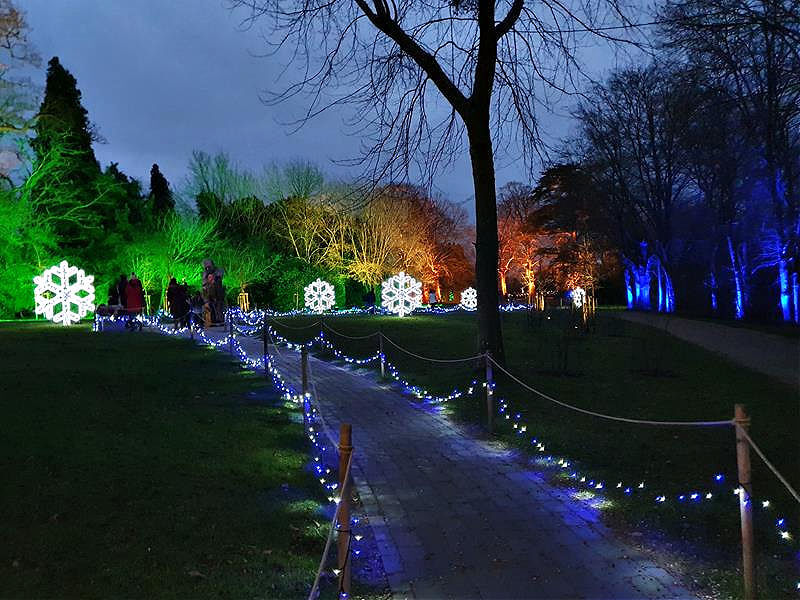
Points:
(489, 392)
(343, 540)
(304, 368)
(745, 501)
(230, 335)
(266, 352)
(383, 357)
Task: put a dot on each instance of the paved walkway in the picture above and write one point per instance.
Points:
(457, 517)
(773, 355)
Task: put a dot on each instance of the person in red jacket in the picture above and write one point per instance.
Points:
(134, 297)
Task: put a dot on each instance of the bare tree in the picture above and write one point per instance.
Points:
(636, 125)
(491, 62)
(750, 50)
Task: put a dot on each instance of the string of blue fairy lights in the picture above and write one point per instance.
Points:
(257, 316)
(713, 490)
(323, 455)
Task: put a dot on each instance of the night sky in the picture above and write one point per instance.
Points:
(161, 79)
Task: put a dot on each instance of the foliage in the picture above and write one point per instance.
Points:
(161, 201)
(27, 247)
(62, 119)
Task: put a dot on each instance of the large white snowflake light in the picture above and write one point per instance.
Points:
(401, 294)
(469, 299)
(64, 294)
(319, 296)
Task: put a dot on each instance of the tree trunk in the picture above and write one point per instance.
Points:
(738, 300)
(490, 337)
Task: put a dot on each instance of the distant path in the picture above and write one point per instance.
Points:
(457, 517)
(771, 354)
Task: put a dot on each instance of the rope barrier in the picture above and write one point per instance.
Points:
(612, 417)
(350, 337)
(315, 588)
(429, 359)
(775, 471)
(314, 324)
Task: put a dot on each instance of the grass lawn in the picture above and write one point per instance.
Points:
(628, 370)
(133, 465)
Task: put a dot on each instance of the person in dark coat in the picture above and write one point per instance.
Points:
(134, 296)
(122, 286)
(113, 296)
(369, 299)
(178, 304)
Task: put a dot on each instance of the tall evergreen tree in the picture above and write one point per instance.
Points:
(161, 200)
(62, 118)
(66, 186)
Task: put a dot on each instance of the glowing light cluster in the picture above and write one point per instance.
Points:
(401, 294)
(64, 294)
(578, 296)
(319, 296)
(591, 486)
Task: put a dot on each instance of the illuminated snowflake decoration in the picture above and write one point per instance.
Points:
(319, 296)
(401, 294)
(469, 299)
(578, 297)
(64, 294)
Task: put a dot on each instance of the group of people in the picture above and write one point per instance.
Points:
(126, 297)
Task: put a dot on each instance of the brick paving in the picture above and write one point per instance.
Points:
(458, 517)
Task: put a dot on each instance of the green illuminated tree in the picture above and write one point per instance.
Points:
(63, 120)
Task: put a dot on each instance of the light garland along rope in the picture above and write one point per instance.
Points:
(279, 382)
(594, 485)
(296, 328)
(611, 417)
(313, 593)
(775, 471)
(429, 359)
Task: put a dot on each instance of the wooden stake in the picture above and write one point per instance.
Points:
(304, 368)
(266, 351)
(745, 501)
(343, 540)
(383, 358)
(489, 393)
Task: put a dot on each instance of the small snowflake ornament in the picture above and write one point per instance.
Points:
(64, 294)
(578, 297)
(401, 294)
(469, 299)
(319, 296)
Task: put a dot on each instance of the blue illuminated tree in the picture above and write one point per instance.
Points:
(750, 49)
